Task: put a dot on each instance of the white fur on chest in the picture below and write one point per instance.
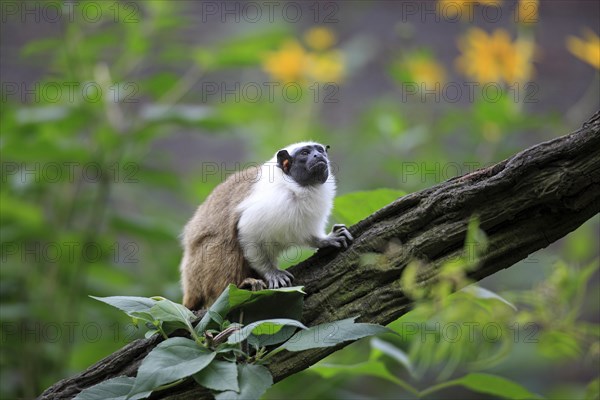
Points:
(279, 211)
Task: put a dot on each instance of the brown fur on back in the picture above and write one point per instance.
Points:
(213, 257)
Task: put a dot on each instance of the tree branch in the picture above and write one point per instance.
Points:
(524, 203)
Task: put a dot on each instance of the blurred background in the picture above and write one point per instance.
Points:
(119, 117)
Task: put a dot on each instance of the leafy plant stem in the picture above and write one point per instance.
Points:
(169, 385)
(438, 387)
(270, 354)
(409, 388)
(243, 344)
(184, 85)
(162, 332)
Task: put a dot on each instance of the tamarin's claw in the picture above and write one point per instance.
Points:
(339, 237)
(277, 278)
(253, 284)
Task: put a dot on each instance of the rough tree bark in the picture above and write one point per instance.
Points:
(524, 203)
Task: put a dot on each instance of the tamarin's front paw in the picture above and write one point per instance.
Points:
(253, 284)
(340, 236)
(278, 278)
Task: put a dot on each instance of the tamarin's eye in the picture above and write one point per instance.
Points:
(304, 152)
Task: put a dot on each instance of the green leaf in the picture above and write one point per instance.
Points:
(13, 208)
(173, 359)
(278, 305)
(368, 368)
(592, 391)
(482, 293)
(254, 380)
(157, 84)
(558, 345)
(583, 275)
(281, 336)
(128, 304)
(233, 298)
(219, 375)
(265, 327)
(476, 241)
(216, 317)
(135, 307)
(169, 327)
(220, 306)
(39, 46)
(353, 207)
(239, 297)
(167, 311)
(394, 352)
(330, 334)
(112, 389)
(151, 332)
(242, 50)
(495, 385)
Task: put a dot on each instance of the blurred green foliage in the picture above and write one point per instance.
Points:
(92, 203)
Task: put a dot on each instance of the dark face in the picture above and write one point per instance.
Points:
(307, 165)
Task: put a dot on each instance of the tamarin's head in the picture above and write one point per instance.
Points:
(306, 163)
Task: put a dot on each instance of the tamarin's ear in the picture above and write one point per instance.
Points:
(327, 147)
(284, 160)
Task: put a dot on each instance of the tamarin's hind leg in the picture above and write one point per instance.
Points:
(253, 284)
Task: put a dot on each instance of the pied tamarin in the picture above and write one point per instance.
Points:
(248, 220)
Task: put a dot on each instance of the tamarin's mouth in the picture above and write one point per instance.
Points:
(318, 163)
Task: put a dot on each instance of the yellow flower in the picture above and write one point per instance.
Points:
(423, 69)
(287, 64)
(293, 63)
(326, 67)
(527, 11)
(463, 8)
(319, 38)
(495, 57)
(518, 66)
(587, 49)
